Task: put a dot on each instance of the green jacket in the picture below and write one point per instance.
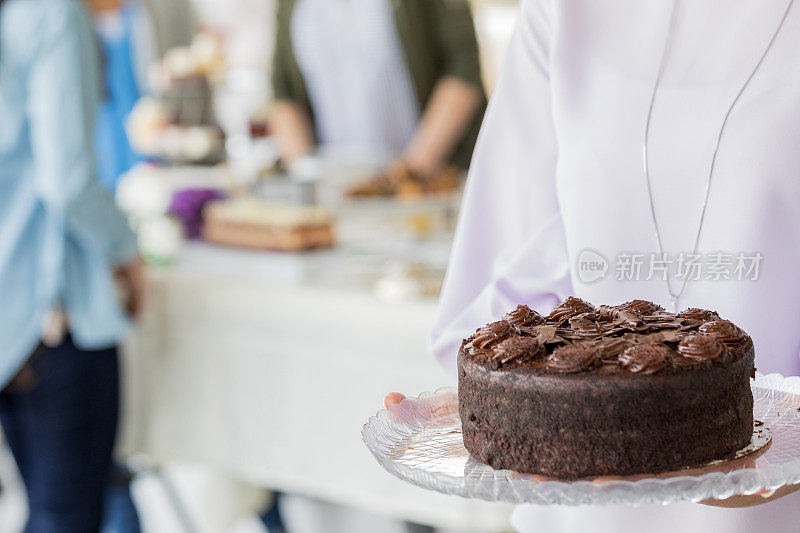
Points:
(438, 38)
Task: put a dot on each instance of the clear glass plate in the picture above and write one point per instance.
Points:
(419, 441)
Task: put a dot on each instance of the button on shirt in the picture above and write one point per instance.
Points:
(59, 229)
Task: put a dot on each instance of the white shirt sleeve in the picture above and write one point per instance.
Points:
(509, 246)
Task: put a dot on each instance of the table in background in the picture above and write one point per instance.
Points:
(244, 364)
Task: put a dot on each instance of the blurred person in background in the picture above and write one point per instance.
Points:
(247, 30)
(62, 244)
(126, 37)
(559, 171)
(173, 23)
(133, 35)
(389, 82)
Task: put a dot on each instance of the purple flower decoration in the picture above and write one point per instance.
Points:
(187, 206)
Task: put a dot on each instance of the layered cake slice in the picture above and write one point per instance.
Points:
(253, 223)
(589, 391)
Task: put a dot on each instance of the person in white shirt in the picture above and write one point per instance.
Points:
(377, 82)
(710, 92)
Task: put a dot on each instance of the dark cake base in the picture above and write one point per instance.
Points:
(589, 424)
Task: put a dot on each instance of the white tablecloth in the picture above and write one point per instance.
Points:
(243, 365)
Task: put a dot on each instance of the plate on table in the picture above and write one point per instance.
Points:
(419, 441)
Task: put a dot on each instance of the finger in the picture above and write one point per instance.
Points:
(393, 398)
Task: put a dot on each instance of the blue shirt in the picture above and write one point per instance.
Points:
(60, 232)
(114, 151)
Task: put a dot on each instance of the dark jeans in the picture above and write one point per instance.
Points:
(61, 431)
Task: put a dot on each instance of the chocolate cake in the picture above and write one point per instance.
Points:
(590, 391)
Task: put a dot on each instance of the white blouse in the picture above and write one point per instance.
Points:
(556, 194)
(360, 88)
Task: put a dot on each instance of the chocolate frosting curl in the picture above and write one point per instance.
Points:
(573, 359)
(523, 316)
(645, 359)
(569, 308)
(489, 335)
(703, 315)
(726, 332)
(519, 349)
(702, 348)
(641, 307)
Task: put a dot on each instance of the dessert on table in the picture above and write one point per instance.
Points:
(250, 222)
(608, 390)
(402, 182)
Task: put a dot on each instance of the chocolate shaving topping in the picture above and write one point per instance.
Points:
(569, 308)
(617, 330)
(640, 307)
(663, 321)
(527, 331)
(491, 334)
(636, 337)
(645, 359)
(669, 335)
(547, 334)
(635, 315)
(726, 332)
(606, 313)
(652, 338)
(523, 316)
(611, 347)
(587, 325)
(630, 320)
(572, 359)
(701, 348)
(702, 315)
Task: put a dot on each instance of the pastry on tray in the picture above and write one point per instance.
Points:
(249, 222)
(401, 182)
(608, 390)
